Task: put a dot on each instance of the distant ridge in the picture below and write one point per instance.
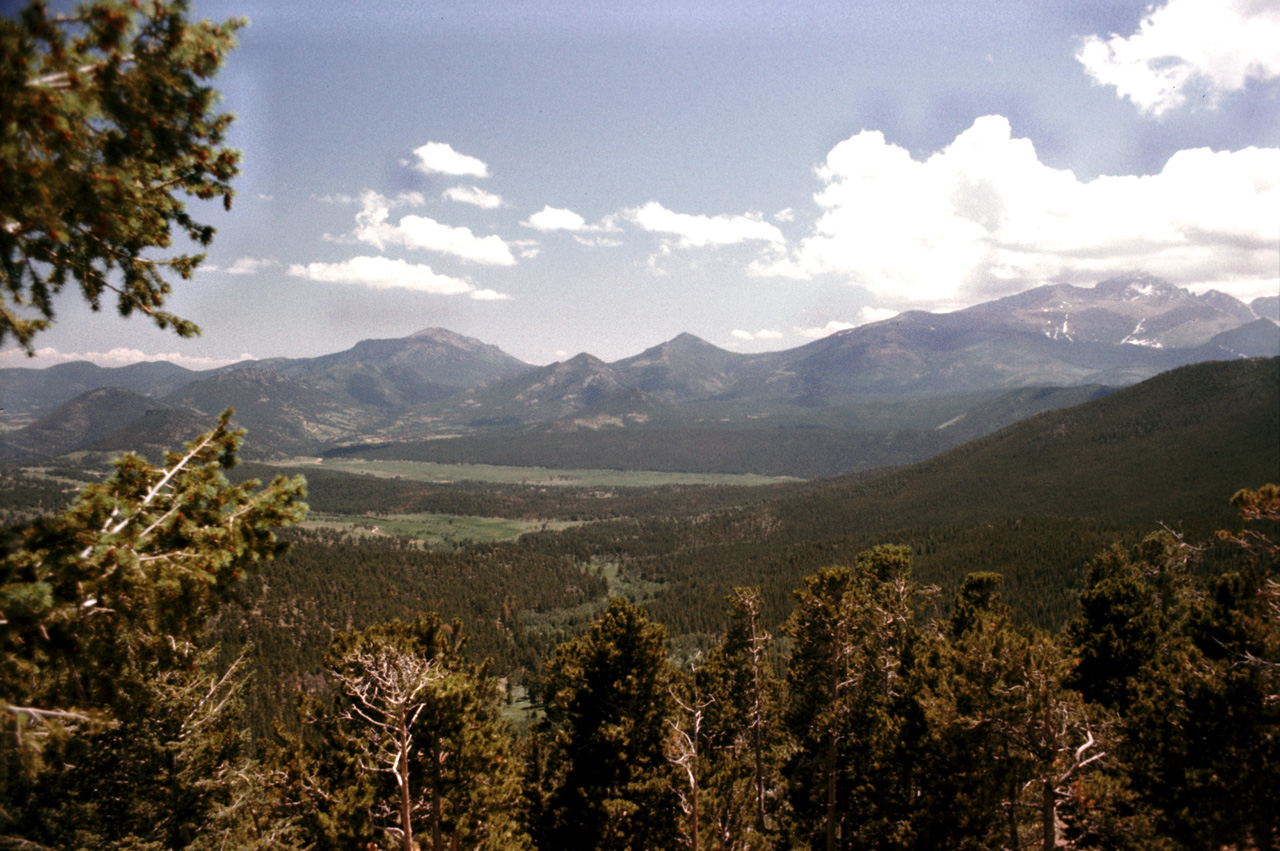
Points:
(76, 423)
(1159, 450)
(437, 383)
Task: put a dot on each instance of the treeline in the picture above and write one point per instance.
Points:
(335, 492)
(1226, 408)
(871, 718)
(807, 452)
(517, 604)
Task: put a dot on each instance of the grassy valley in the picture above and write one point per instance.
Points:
(1036, 502)
(525, 559)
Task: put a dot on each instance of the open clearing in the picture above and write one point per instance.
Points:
(422, 471)
(435, 528)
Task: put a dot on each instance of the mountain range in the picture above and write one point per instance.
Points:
(888, 392)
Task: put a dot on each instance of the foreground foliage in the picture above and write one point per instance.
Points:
(102, 612)
(107, 119)
(882, 718)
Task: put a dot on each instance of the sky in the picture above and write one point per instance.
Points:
(559, 177)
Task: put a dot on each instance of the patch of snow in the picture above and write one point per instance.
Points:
(1131, 336)
(950, 422)
(1055, 333)
(599, 421)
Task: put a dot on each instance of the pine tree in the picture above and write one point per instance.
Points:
(106, 119)
(850, 710)
(422, 730)
(742, 736)
(967, 769)
(1189, 667)
(174, 772)
(607, 702)
(97, 600)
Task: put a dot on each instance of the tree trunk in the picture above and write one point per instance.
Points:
(757, 714)
(406, 804)
(695, 804)
(435, 797)
(759, 757)
(831, 792)
(1048, 818)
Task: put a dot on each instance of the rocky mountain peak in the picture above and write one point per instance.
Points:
(443, 336)
(1138, 286)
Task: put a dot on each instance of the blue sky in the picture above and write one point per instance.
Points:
(589, 176)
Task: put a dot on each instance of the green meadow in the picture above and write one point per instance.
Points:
(434, 528)
(424, 471)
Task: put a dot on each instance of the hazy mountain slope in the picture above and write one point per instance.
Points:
(437, 383)
(25, 392)
(632, 431)
(427, 366)
(685, 367)
(1259, 338)
(1121, 331)
(436, 355)
(1267, 307)
(1160, 450)
(1139, 310)
(542, 393)
(167, 429)
(77, 423)
(283, 412)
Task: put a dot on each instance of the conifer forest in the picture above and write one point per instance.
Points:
(1059, 631)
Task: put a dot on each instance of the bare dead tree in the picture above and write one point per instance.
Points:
(1048, 723)
(387, 687)
(684, 747)
(747, 601)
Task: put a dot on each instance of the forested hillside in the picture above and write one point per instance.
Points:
(870, 719)
(948, 552)
(997, 648)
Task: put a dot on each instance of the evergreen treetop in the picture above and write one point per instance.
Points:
(107, 120)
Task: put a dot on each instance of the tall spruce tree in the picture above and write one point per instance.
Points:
(103, 607)
(850, 711)
(607, 702)
(742, 735)
(968, 772)
(419, 730)
(106, 121)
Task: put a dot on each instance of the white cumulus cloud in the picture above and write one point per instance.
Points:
(114, 357)
(373, 226)
(1209, 47)
(555, 218)
(473, 195)
(441, 158)
(697, 231)
(489, 295)
(875, 314)
(825, 330)
(762, 334)
(985, 218)
(245, 266)
(383, 273)
(865, 315)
